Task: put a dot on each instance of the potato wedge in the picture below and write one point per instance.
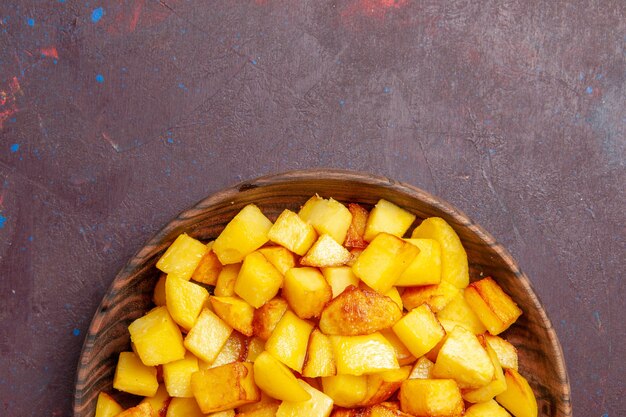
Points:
(319, 359)
(235, 312)
(276, 380)
(326, 252)
(106, 406)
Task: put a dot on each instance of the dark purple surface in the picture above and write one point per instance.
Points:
(111, 123)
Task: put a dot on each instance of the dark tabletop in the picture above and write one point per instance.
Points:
(117, 115)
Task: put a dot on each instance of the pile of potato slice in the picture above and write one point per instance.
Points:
(324, 312)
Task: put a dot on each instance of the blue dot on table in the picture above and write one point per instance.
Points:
(76, 332)
(31, 22)
(589, 90)
(386, 90)
(97, 14)
(3, 220)
(170, 140)
(100, 78)
(15, 147)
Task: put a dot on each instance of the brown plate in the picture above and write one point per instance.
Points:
(540, 355)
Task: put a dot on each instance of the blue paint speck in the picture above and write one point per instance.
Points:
(599, 76)
(76, 332)
(62, 1)
(589, 90)
(605, 415)
(253, 62)
(97, 14)
(13, 119)
(3, 220)
(342, 103)
(170, 140)
(386, 90)
(30, 21)
(15, 147)
(55, 61)
(30, 238)
(182, 86)
(100, 78)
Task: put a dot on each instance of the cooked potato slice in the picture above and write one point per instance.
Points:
(184, 300)
(356, 231)
(266, 411)
(225, 286)
(208, 336)
(244, 234)
(382, 385)
(132, 376)
(436, 296)
(142, 410)
(495, 387)
(518, 398)
(289, 340)
(157, 338)
(358, 311)
(183, 407)
(306, 291)
(404, 356)
(267, 317)
(383, 261)
(454, 267)
(422, 369)
(106, 406)
(431, 397)
(264, 402)
(235, 349)
(460, 312)
(177, 376)
(394, 294)
(486, 409)
(326, 252)
(378, 410)
(159, 401)
(208, 268)
(358, 355)
(339, 278)
(463, 359)
(282, 258)
(158, 296)
(225, 413)
(327, 217)
(258, 280)
(276, 380)
(345, 390)
(182, 257)
(225, 387)
(290, 231)
(235, 312)
(319, 405)
(507, 353)
(319, 359)
(419, 330)
(425, 268)
(388, 218)
(254, 347)
(495, 309)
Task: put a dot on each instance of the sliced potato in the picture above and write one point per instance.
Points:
(276, 380)
(244, 234)
(388, 218)
(319, 359)
(235, 312)
(431, 397)
(293, 233)
(358, 355)
(106, 406)
(306, 291)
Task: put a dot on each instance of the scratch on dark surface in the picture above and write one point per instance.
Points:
(430, 169)
(110, 141)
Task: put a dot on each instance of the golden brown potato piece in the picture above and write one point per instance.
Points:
(142, 410)
(358, 311)
(267, 317)
(225, 387)
(354, 238)
(378, 410)
(208, 269)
